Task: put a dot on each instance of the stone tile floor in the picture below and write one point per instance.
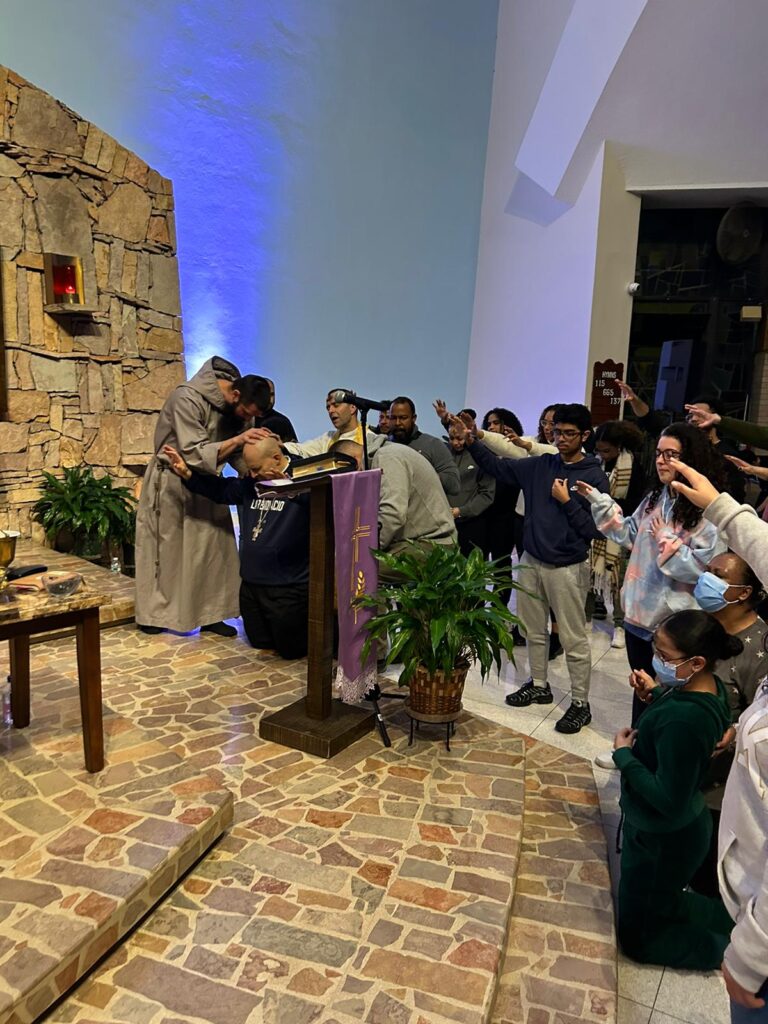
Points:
(647, 995)
(373, 887)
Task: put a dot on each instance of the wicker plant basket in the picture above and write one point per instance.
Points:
(439, 694)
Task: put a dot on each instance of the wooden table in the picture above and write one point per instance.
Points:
(22, 617)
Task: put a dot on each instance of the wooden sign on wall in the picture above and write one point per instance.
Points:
(605, 403)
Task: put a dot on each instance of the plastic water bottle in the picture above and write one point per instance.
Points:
(114, 565)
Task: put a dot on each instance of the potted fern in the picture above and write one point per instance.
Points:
(83, 513)
(441, 615)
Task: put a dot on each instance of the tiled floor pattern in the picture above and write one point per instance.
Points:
(373, 887)
(117, 588)
(647, 994)
(83, 857)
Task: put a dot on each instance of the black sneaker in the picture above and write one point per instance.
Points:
(220, 629)
(555, 647)
(574, 719)
(529, 694)
(600, 612)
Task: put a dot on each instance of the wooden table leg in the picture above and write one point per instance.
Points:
(89, 678)
(19, 650)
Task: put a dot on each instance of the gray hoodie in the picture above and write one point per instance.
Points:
(743, 840)
(413, 505)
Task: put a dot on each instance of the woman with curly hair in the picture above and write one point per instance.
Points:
(670, 544)
(616, 445)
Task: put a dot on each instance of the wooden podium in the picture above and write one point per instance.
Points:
(317, 724)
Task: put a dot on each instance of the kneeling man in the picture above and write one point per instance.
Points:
(274, 546)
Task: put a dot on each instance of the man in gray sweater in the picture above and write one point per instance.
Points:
(403, 430)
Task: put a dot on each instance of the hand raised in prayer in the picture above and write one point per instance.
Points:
(583, 489)
(698, 489)
(441, 409)
(624, 738)
(627, 393)
(463, 429)
(761, 472)
(516, 440)
(700, 417)
(642, 684)
(176, 462)
(560, 491)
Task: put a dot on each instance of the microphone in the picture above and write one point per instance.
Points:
(362, 403)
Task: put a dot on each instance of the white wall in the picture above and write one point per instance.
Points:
(327, 159)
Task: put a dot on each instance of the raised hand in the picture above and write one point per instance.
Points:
(583, 489)
(627, 393)
(642, 684)
(441, 409)
(176, 462)
(701, 417)
(698, 489)
(463, 429)
(761, 472)
(516, 440)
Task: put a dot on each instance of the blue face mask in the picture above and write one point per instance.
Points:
(666, 673)
(710, 592)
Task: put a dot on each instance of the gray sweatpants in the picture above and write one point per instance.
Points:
(564, 590)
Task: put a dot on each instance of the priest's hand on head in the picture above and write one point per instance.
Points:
(176, 462)
(256, 434)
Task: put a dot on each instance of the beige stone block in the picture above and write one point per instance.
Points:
(13, 437)
(142, 277)
(39, 435)
(42, 122)
(22, 308)
(158, 231)
(24, 406)
(53, 374)
(8, 167)
(115, 326)
(13, 463)
(50, 333)
(11, 215)
(32, 239)
(57, 416)
(130, 266)
(136, 170)
(126, 213)
(164, 292)
(35, 458)
(95, 389)
(106, 154)
(93, 145)
(8, 292)
(35, 299)
(70, 452)
(119, 161)
(116, 265)
(130, 345)
(73, 428)
(23, 371)
(107, 385)
(104, 450)
(150, 392)
(138, 432)
(117, 387)
(161, 339)
(51, 455)
(101, 254)
(30, 260)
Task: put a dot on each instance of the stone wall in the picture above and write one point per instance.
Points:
(80, 388)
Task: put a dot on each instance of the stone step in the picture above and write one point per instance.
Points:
(560, 957)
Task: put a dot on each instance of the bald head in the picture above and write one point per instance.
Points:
(349, 448)
(264, 458)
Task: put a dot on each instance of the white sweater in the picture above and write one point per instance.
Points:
(743, 840)
(505, 449)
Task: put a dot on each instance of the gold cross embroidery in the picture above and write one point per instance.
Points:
(357, 582)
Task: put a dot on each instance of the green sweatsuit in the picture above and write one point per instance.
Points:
(667, 829)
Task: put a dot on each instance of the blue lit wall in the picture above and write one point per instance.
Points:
(327, 159)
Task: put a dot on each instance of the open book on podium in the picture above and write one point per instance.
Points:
(317, 724)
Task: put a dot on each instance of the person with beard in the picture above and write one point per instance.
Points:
(474, 499)
(403, 430)
(273, 420)
(557, 533)
(186, 556)
(346, 426)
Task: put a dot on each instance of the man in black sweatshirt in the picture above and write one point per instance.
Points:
(274, 546)
(557, 531)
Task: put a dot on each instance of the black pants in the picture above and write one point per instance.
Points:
(639, 656)
(276, 617)
(473, 533)
(500, 542)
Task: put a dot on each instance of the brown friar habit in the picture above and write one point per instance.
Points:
(187, 566)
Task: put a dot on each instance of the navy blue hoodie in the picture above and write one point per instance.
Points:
(274, 529)
(554, 533)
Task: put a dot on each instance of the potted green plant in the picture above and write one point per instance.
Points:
(441, 615)
(83, 513)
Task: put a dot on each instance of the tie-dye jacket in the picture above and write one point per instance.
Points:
(665, 562)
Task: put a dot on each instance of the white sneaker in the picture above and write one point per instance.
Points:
(618, 638)
(606, 761)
